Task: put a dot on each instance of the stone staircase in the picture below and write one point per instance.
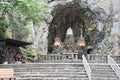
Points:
(103, 71)
(64, 68)
(48, 71)
(100, 69)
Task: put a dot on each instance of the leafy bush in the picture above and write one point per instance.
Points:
(29, 55)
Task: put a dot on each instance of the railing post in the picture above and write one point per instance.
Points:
(76, 56)
(88, 57)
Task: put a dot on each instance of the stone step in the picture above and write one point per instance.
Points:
(102, 65)
(61, 61)
(50, 78)
(52, 75)
(51, 70)
(93, 61)
(48, 71)
(43, 65)
(27, 68)
(49, 67)
(102, 69)
(78, 73)
(22, 68)
(102, 78)
(105, 75)
(103, 72)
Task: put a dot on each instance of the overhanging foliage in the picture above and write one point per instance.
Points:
(18, 13)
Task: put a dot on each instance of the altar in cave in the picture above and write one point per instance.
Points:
(69, 47)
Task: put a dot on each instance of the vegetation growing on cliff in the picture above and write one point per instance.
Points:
(15, 15)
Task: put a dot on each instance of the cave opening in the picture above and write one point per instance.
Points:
(72, 15)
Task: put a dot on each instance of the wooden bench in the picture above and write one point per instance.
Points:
(7, 74)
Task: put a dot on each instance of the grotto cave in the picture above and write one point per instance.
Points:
(72, 15)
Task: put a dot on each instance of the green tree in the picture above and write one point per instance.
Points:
(16, 14)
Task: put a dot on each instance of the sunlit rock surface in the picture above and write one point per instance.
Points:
(101, 8)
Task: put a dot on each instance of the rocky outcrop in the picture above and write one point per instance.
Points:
(108, 46)
(38, 36)
(116, 24)
(74, 14)
(101, 10)
(99, 13)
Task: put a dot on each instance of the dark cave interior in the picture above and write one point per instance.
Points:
(73, 16)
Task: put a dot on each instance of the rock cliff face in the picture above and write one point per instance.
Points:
(77, 14)
(100, 8)
(112, 7)
(38, 36)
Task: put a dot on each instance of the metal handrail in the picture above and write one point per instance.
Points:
(114, 66)
(87, 67)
